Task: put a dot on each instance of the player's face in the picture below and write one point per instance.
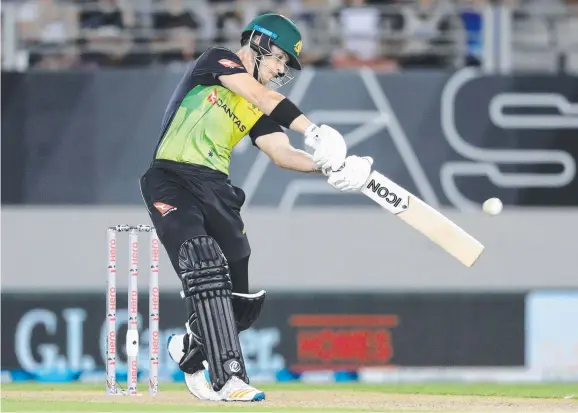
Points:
(273, 65)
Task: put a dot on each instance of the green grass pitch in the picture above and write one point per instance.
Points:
(299, 397)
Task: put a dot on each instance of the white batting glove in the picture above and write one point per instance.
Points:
(354, 174)
(329, 145)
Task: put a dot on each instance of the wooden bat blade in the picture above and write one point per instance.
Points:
(422, 217)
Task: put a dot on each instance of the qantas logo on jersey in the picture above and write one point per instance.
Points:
(213, 98)
(229, 63)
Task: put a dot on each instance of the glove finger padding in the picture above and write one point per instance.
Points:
(355, 172)
(320, 156)
(338, 150)
(329, 145)
(311, 142)
(342, 184)
(337, 180)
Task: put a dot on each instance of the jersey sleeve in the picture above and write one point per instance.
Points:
(218, 61)
(264, 126)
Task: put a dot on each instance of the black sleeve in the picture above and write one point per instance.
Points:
(264, 126)
(218, 61)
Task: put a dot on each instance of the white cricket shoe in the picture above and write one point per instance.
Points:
(236, 390)
(199, 386)
(198, 383)
(176, 347)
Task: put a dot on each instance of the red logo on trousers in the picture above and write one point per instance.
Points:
(163, 208)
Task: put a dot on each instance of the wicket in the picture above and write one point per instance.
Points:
(132, 334)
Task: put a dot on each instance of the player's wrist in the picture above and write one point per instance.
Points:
(310, 129)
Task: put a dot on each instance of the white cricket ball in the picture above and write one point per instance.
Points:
(493, 206)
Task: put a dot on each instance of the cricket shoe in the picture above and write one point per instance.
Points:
(198, 383)
(236, 390)
(176, 347)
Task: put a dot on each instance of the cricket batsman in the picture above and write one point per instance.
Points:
(222, 97)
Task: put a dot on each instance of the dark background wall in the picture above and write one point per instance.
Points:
(85, 137)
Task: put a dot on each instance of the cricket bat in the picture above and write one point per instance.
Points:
(423, 218)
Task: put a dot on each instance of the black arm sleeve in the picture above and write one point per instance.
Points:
(264, 126)
(218, 61)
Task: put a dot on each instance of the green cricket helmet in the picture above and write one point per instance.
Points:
(278, 30)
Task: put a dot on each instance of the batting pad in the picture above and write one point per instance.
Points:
(206, 282)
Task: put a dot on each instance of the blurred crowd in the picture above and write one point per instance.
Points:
(382, 34)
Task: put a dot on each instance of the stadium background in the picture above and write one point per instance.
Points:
(438, 92)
